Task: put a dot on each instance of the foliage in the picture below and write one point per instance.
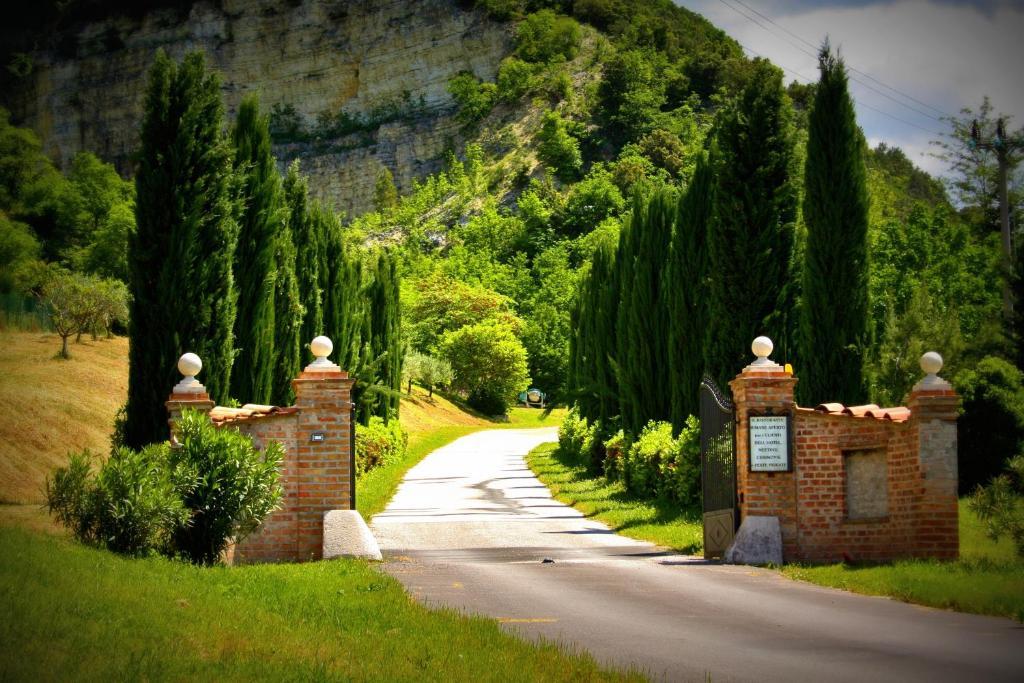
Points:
(515, 79)
(426, 370)
(130, 506)
(379, 443)
(288, 318)
(443, 304)
(83, 303)
(991, 427)
(19, 255)
(589, 203)
(557, 148)
(310, 245)
(834, 323)
(681, 471)
(687, 280)
(633, 92)
(1000, 504)
(380, 379)
(226, 485)
(261, 222)
(180, 258)
(578, 439)
(487, 357)
(592, 377)
(545, 36)
(645, 459)
(341, 281)
(751, 237)
(385, 195)
(474, 98)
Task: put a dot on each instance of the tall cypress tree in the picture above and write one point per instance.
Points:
(834, 311)
(750, 240)
(385, 338)
(625, 259)
(341, 281)
(261, 220)
(180, 256)
(646, 330)
(288, 317)
(686, 284)
(308, 242)
(606, 303)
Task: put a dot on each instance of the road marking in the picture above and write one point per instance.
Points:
(526, 620)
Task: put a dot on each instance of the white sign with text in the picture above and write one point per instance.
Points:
(769, 443)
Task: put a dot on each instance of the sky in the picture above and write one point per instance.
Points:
(918, 60)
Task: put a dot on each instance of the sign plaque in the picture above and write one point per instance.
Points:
(769, 443)
(317, 437)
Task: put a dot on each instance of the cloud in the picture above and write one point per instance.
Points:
(944, 55)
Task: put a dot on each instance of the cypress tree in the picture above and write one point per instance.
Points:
(583, 344)
(261, 219)
(341, 281)
(750, 240)
(834, 311)
(686, 285)
(288, 317)
(308, 242)
(625, 259)
(180, 256)
(385, 338)
(646, 330)
(606, 303)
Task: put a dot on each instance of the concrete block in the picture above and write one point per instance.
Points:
(346, 535)
(758, 541)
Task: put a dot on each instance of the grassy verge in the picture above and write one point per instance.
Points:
(659, 522)
(987, 579)
(75, 612)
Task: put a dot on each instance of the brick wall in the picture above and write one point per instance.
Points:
(900, 467)
(315, 472)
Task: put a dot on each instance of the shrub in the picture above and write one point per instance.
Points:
(515, 79)
(227, 486)
(680, 471)
(487, 401)
(614, 449)
(487, 357)
(474, 98)
(642, 465)
(1001, 504)
(557, 148)
(992, 424)
(129, 507)
(576, 437)
(544, 36)
(379, 443)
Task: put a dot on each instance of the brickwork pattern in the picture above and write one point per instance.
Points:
(811, 500)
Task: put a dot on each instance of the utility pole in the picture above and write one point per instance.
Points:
(1004, 147)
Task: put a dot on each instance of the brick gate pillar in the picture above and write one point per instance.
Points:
(933, 407)
(323, 393)
(188, 394)
(764, 387)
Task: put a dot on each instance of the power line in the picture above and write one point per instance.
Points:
(814, 55)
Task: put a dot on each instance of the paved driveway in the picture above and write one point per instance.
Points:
(471, 528)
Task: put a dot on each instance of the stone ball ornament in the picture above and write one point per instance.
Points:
(189, 364)
(321, 347)
(762, 347)
(931, 363)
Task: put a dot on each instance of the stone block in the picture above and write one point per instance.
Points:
(758, 541)
(347, 535)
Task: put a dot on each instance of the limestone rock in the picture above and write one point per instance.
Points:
(319, 56)
(346, 535)
(758, 541)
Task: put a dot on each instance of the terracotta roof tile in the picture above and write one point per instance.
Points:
(860, 411)
(896, 414)
(221, 414)
(830, 408)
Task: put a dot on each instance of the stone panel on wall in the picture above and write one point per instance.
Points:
(867, 484)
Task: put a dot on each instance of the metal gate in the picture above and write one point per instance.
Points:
(718, 468)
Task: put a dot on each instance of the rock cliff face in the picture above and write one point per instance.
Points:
(317, 56)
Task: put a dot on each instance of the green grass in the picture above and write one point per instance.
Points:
(660, 522)
(72, 612)
(987, 579)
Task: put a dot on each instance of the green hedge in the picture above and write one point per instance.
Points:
(379, 443)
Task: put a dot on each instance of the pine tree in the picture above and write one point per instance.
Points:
(646, 334)
(686, 284)
(308, 242)
(180, 257)
(750, 240)
(261, 220)
(834, 312)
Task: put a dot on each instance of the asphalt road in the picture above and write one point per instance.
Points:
(470, 528)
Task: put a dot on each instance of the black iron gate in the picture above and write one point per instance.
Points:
(718, 468)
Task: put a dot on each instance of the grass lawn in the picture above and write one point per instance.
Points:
(75, 613)
(987, 579)
(659, 522)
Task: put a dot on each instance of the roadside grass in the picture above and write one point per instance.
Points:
(72, 612)
(987, 579)
(658, 521)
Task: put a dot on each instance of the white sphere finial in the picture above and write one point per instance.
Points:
(321, 348)
(931, 363)
(762, 348)
(189, 365)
